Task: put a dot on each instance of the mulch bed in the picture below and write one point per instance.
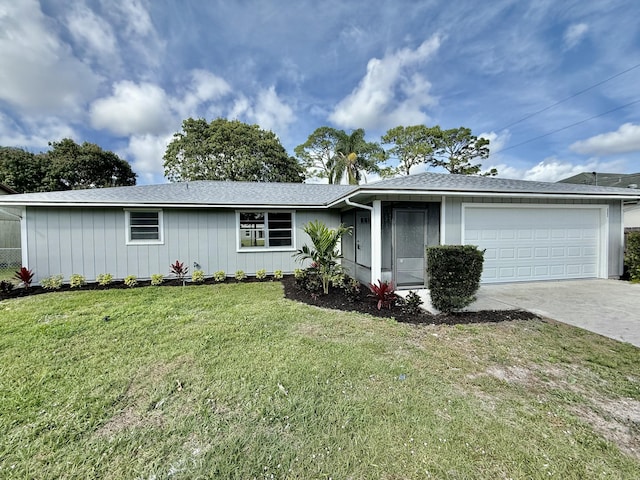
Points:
(337, 300)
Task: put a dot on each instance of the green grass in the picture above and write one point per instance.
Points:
(234, 381)
(8, 274)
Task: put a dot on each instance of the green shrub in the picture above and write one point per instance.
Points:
(219, 276)
(299, 273)
(240, 275)
(54, 282)
(197, 276)
(6, 286)
(76, 280)
(453, 273)
(412, 303)
(278, 274)
(261, 274)
(131, 280)
(632, 256)
(351, 288)
(104, 279)
(157, 279)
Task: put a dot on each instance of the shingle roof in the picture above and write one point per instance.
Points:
(618, 180)
(203, 193)
(468, 183)
(251, 194)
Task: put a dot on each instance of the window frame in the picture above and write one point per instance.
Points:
(127, 222)
(265, 230)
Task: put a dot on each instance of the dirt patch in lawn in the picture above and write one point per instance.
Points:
(148, 396)
(363, 303)
(617, 420)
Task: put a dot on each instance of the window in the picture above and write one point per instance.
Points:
(266, 230)
(144, 226)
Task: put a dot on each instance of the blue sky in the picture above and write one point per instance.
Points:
(125, 73)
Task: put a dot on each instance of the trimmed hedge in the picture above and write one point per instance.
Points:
(632, 256)
(454, 275)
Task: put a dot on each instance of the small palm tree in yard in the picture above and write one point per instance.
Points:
(324, 254)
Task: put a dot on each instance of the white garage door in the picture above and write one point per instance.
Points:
(524, 244)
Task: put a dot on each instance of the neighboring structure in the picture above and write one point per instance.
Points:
(10, 255)
(4, 190)
(618, 180)
(530, 230)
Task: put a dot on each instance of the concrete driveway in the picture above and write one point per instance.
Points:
(608, 307)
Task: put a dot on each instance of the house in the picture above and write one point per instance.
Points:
(4, 190)
(530, 230)
(620, 180)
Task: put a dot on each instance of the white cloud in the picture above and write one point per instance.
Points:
(135, 16)
(91, 32)
(205, 87)
(391, 92)
(270, 112)
(624, 140)
(574, 34)
(267, 110)
(37, 70)
(552, 169)
(35, 133)
(497, 141)
(133, 109)
(145, 153)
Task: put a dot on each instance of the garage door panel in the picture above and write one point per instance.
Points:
(535, 243)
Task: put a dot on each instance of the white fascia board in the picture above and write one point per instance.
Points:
(473, 193)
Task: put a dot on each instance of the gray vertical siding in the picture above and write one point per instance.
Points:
(453, 222)
(90, 241)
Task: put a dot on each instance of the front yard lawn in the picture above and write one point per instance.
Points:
(234, 381)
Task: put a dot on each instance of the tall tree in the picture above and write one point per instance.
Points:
(74, 166)
(456, 148)
(22, 170)
(228, 150)
(65, 166)
(412, 146)
(316, 154)
(354, 156)
(333, 154)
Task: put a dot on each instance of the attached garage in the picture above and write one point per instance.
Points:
(531, 242)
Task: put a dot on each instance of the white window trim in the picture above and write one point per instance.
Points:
(127, 225)
(240, 249)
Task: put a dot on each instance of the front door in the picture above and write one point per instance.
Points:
(409, 240)
(363, 238)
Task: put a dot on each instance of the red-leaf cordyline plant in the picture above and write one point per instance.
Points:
(25, 276)
(384, 292)
(179, 270)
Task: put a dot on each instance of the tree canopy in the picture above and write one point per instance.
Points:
(66, 166)
(411, 146)
(228, 150)
(333, 154)
(454, 149)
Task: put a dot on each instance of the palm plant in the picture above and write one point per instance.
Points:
(354, 156)
(324, 253)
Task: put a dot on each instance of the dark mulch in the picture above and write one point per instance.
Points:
(337, 300)
(116, 284)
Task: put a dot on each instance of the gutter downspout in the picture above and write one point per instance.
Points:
(376, 236)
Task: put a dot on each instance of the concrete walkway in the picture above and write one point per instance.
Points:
(607, 307)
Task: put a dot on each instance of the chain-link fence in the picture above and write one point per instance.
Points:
(10, 257)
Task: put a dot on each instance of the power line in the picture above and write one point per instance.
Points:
(527, 117)
(566, 127)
